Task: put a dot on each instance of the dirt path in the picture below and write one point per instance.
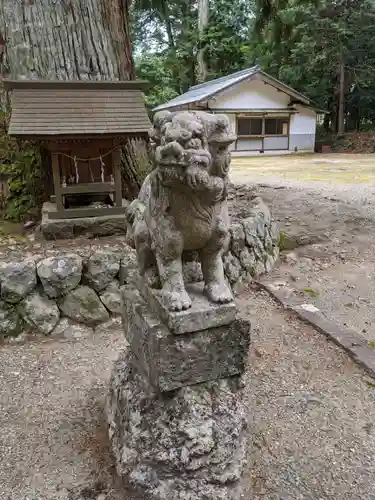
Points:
(338, 168)
(341, 284)
(311, 416)
(311, 407)
(53, 435)
(313, 438)
(335, 223)
(312, 412)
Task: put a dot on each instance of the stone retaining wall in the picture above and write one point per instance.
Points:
(59, 293)
(53, 294)
(254, 245)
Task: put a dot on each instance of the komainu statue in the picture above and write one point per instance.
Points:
(182, 206)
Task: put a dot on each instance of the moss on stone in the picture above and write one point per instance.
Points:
(310, 291)
(287, 242)
(11, 323)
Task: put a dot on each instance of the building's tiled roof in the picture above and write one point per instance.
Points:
(206, 90)
(56, 109)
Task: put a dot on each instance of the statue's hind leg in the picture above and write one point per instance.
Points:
(216, 287)
(146, 259)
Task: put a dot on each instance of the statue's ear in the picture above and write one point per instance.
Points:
(222, 122)
(162, 117)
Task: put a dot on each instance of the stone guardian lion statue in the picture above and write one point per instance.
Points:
(182, 206)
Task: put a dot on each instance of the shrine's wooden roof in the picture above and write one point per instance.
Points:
(66, 108)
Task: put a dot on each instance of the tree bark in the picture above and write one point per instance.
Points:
(66, 39)
(70, 40)
(341, 111)
(203, 11)
(167, 21)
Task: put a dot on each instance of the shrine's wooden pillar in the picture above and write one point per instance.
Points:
(117, 176)
(57, 181)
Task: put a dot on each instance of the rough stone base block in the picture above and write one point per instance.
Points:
(63, 229)
(202, 315)
(171, 361)
(187, 445)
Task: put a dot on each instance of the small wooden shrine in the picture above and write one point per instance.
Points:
(83, 125)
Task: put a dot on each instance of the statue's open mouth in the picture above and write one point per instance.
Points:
(188, 157)
(172, 163)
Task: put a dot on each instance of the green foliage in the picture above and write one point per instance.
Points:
(154, 69)
(171, 66)
(22, 162)
(301, 42)
(306, 51)
(227, 36)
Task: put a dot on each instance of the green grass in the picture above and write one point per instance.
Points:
(310, 291)
(286, 242)
(8, 228)
(334, 168)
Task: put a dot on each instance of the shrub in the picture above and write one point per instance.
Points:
(21, 160)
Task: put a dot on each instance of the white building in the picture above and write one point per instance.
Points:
(266, 115)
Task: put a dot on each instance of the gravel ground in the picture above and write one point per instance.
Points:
(341, 284)
(311, 407)
(314, 436)
(335, 223)
(310, 213)
(53, 436)
(312, 412)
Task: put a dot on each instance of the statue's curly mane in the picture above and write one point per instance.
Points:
(190, 151)
(182, 206)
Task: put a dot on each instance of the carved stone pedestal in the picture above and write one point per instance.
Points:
(176, 415)
(189, 444)
(170, 361)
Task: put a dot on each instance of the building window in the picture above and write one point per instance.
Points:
(249, 126)
(276, 126)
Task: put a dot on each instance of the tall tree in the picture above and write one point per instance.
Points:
(159, 10)
(70, 40)
(326, 52)
(65, 39)
(228, 35)
(203, 12)
(219, 41)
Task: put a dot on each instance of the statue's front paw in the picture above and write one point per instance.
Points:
(197, 177)
(219, 293)
(177, 301)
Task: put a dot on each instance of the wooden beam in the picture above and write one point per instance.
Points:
(69, 139)
(117, 172)
(263, 133)
(90, 187)
(76, 85)
(57, 181)
(75, 213)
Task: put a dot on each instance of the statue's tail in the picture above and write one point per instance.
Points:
(133, 214)
(135, 210)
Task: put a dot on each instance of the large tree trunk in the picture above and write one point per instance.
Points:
(66, 39)
(69, 40)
